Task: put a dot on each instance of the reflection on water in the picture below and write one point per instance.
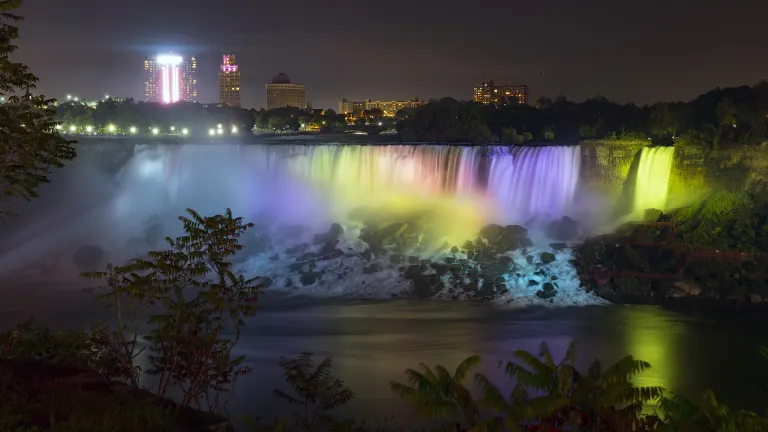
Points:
(372, 342)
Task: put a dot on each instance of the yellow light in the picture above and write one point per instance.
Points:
(184, 131)
(155, 131)
(58, 126)
(219, 126)
(72, 128)
(173, 128)
(133, 129)
(89, 129)
(234, 129)
(220, 131)
(211, 132)
(111, 128)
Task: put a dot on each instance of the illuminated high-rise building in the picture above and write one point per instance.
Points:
(170, 78)
(489, 93)
(229, 82)
(281, 93)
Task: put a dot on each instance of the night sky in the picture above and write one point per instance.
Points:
(638, 51)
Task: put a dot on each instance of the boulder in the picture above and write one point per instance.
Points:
(334, 232)
(547, 257)
(547, 291)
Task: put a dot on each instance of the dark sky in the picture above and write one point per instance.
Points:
(628, 51)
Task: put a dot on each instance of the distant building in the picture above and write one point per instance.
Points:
(170, 78)
(282, 93)
(229, 82)
(489, 93)
(388, 108)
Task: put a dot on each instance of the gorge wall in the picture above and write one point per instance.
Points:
(605, 165)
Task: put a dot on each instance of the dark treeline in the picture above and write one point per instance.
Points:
(720, 118)
(144, 116)
(131, 117)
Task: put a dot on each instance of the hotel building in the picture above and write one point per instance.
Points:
(229, 82)
(281, 93)
(489, 93)
(170, 78)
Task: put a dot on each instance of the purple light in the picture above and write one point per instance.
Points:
(165, 84)
(229, 68)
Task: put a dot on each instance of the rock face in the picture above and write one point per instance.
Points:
(639, 265)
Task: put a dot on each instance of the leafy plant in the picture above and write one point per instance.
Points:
(317, 390)
(556, 395)
(30, 144)
(707, 414)
(200, 298)
(440, 394)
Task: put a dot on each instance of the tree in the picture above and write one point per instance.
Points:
(201, 297)
(30, 145)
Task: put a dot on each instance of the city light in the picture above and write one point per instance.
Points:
(72, 128)
(381, 124)
(69, 97)
(58, 126)
(173, 128)
(106, 97)
(220, 131)
(170, 77)
(211, 132)
(133, 129)
(219, 126)
(111, 128)
(89, 129)
(77, 99)
(155, 131)
(234, 129)
(184, 131)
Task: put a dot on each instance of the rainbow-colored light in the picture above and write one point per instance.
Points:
(170, 77)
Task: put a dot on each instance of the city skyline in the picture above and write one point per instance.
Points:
(578, 50)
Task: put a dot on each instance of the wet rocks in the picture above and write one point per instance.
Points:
(547, 291)
(547, 257)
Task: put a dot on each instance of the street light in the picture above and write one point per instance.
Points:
(89, 129)
(72, 128)
(69, 97)
(220, 131)
(211, 132)
(184, 131)
(111, 128)
(133, 129)
(58, 127)
(234, 129)
(173, 128)
(155, 131)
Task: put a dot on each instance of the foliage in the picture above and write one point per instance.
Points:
(94, 349)
(718, 119)
(30, 145)
(291, 120)
(707, 414)
(440, 394)
(200, 296)
(317, 391)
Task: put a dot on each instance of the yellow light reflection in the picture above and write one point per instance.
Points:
(652, 335)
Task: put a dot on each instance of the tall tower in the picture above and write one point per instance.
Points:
(229, 81)
(169, 78)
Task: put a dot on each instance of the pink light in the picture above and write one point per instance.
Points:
(229, 68)
(175, 90)
(165, 83)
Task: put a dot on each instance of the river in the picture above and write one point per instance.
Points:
(372, 342)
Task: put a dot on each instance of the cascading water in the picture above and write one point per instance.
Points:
(652, 181)
(424, 199)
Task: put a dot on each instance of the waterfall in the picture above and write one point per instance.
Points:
(535, 181)
(652, 181)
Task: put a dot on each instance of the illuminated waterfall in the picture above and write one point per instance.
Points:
(533, 181)
(652, 181)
